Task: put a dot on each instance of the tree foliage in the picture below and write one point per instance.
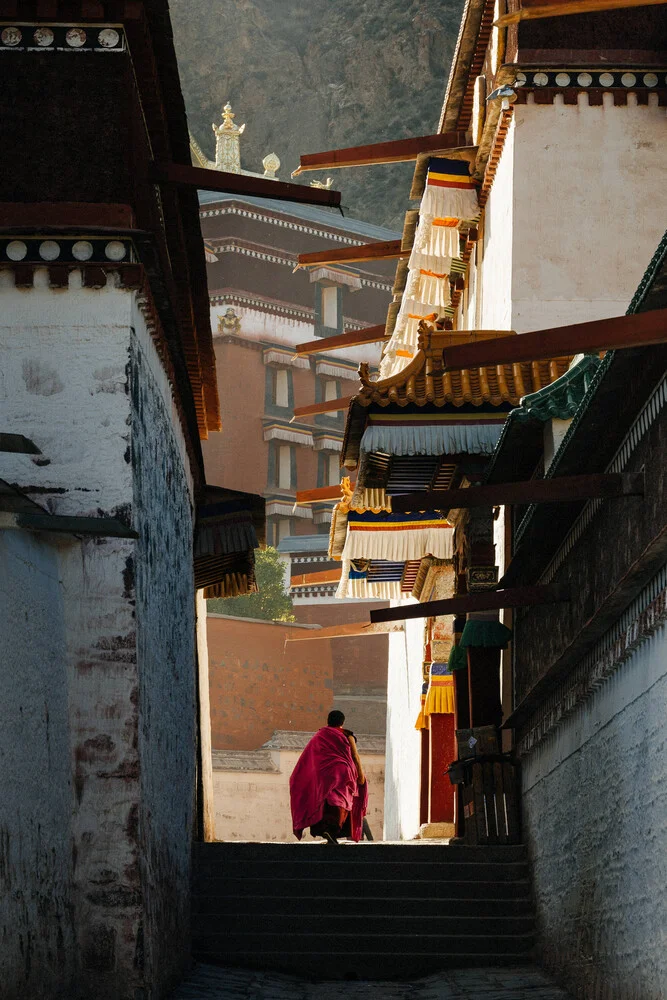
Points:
(273, 601)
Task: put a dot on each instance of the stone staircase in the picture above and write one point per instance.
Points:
(369, 910)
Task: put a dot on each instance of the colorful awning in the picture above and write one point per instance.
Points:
(230, 525)
(397, 537)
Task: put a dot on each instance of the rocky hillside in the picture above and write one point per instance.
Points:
(310, 76)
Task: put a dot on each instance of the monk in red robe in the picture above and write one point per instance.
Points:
(328, 787)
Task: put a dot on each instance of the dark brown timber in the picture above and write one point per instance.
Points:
(220, 180)
(559, 490)
(326, 406)
(637, 330)
(488, 600)
(395, 151)
(387, 250)
(371, 335)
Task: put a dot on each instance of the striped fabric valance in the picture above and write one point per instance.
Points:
(440, 694)
(397, 537)
(433, 433)
(356, 584)
(450, 196)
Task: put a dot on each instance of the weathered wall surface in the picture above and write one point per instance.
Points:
(567, 270)
(403, 749)
(255, 805)
(258, 683)
(595, 806)
(493, 308)
(108, 662)
(166, 665)
(37, 953)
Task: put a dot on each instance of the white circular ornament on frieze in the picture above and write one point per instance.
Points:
(584, 79)
(76, 37)
(82, 250)
(49, 250)
(11, 36)
(115, 250)
(606, 80)
(520, 80)
(43, 37)
(562, 79)
(108, 38)
(540, 79)
(650, 80)
(628, 79)
(16, 250)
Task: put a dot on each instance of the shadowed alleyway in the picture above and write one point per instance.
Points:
(523, 983)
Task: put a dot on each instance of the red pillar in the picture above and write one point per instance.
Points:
(425, 777)
(443, 752)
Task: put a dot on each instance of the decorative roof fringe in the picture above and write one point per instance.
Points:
(433, 439)
(411, 541)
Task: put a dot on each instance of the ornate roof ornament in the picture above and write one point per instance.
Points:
(228, 149)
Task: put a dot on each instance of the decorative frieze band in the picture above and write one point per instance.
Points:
(66, 250)
(21, 36)
(545, 84)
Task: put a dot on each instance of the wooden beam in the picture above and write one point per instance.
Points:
(96, 527)
(257, 187)
(320, 494)
(562, 489)
(315, 579)
(637, 330)
(394, 151)
(356, 629)
(530, 11)
(488, 600)
(326, 406)
(354, 338)
(388, 250)
(18, 444)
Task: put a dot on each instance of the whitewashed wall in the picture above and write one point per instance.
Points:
(255, 805)
(403, 748)
(595, 806)
(107, 660)
(590, 202)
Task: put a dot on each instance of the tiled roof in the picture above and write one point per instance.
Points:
(321, 216)
(424, 381)
(244, 760)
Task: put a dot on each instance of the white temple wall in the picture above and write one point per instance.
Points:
(105, 652)
(589, 207)
(492, 309)
(595, 811)
(403, 748)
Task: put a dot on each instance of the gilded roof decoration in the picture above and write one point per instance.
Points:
(425, 381)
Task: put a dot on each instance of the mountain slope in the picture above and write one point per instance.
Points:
(313, 76)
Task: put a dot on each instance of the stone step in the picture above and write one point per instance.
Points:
(212, 887)
(365, 851)
(206, 906)
(226, 926)
(380, 871)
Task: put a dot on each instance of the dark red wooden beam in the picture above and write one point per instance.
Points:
(387, 250)
(371, 335)
(488, 600)
(326, 406)
(257, 187)
(559, 490)
(537, 8)
(394, 151)
(320, 494)
(637, 330)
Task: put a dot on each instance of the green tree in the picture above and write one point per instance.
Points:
(272, 602)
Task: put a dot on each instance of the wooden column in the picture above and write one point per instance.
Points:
(425, 777)
(443, 752)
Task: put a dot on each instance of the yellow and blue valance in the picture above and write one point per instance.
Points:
(440, 695)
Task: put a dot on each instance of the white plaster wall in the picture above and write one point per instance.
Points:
(206, 778)
(595, 807)
(589, 207)
(269, 327)
(255, 805)
(403, 747)
(495, 275)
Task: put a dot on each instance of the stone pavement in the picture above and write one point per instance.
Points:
(522, 983)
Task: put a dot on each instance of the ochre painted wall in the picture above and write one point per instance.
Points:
(259, 684)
